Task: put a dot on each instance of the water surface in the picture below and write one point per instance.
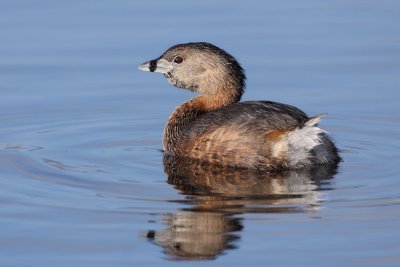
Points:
(83, 180)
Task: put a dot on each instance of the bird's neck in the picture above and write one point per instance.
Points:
(179, 123)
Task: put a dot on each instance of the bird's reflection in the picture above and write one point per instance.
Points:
(198, 235)
(216, 196)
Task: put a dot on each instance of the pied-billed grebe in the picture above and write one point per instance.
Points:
(215, 127)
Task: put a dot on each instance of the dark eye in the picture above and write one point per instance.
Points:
(178, 59)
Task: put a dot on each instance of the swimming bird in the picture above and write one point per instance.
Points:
(215, 127)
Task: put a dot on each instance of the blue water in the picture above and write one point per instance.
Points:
(81, 173)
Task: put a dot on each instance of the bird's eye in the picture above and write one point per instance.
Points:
(178, 59)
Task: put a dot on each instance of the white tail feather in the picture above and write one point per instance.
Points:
(305, 146)
(314, 120)
(302, 141)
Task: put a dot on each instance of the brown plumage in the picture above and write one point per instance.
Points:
(215, 127)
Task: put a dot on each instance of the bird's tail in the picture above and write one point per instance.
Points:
(308, 145)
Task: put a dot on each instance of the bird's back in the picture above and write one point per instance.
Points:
(254, 115)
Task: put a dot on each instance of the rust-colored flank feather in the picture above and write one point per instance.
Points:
(216, 128)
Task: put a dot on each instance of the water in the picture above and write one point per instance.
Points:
(82, 177)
